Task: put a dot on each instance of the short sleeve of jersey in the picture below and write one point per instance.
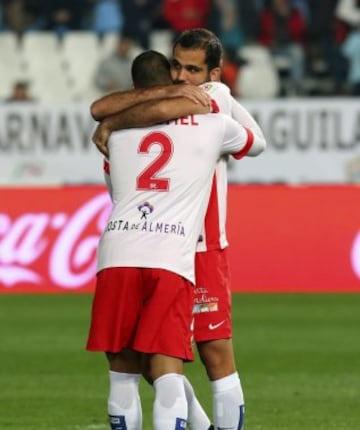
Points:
(237, 139)
(221, 94)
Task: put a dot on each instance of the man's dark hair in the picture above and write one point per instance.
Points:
(201, 38)
(149, 69)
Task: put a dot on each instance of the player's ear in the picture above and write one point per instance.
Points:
(215, 74)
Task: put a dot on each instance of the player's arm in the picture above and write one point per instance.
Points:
(116, 102)
(146, 114)
(243, 117)
(229, 106)
(239, 139)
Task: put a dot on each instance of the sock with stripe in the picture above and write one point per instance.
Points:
(124, 406)
(228, 403)
(197, 418)
(170, 406)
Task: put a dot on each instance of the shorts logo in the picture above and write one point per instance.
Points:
(215, 326)
(205, 307)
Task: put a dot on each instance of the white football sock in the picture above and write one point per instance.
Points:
(228, 402)
(197, 418)
(124, 401)
(170, 406)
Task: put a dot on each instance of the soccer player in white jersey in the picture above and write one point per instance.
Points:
(142, 309)
(196, 59)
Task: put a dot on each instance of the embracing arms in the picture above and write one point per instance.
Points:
(119, 101)
(145, 107)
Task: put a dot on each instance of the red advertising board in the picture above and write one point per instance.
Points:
(295, 239)
(282, 239)
(48, 238)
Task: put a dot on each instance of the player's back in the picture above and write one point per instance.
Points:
(161, 179)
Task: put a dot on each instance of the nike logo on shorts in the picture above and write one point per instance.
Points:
(215, 326)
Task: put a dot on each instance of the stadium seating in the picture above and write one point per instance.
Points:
(57, 70)
(161, 40)
(40, 54)
(108, 43)
(11, 66)
(258, 78)
(61, 70)
(80, 54)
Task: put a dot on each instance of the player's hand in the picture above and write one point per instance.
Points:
(101, 137)
(192, 92)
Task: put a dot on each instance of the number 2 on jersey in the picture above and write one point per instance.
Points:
(148, 179)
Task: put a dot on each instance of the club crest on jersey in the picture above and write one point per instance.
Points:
(145, 209)
(207, 87)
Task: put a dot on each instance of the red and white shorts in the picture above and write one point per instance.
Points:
(148, 310)
(212, 308)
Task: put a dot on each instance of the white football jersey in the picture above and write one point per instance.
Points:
(161, 181)
(213, 234)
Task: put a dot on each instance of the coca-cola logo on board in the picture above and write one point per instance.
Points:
(68, 242)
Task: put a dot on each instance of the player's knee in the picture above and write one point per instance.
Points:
(218, 358)
(126, 361)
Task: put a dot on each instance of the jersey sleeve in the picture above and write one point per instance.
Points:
(243, 117)
(237, 139)
(220, 93)
(107, 178)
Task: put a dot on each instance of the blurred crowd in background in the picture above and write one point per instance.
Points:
(313, 45)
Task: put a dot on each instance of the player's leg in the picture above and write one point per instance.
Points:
(213, 333)
(124, 405)
(228, 399)
(170, 406)
(197, 417)
(116, 306)
(164, 336)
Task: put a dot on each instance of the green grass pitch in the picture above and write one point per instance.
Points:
(298, 357)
